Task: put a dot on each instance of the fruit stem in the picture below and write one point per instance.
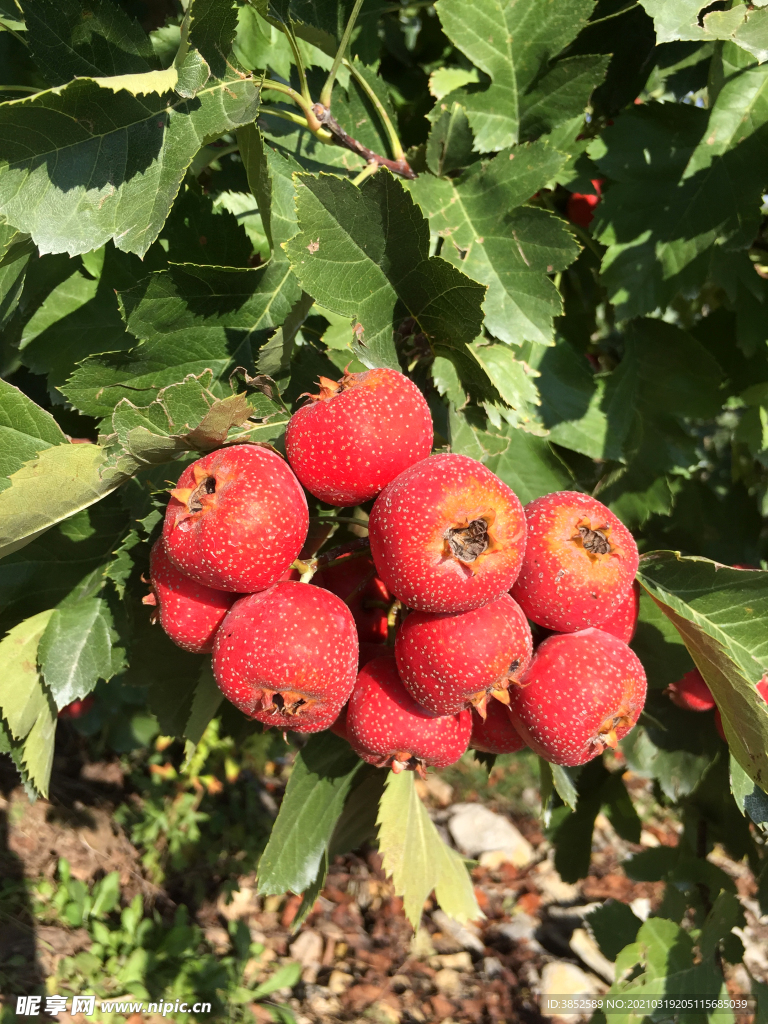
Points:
(325, 95)
(368, 171)
(394, 138)
(291, 37)
(360, 586)
(341, 519)
(360, 546)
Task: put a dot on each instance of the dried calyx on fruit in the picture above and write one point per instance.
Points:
(287, 656)
(447, 535)
(579, 565)
(453, 661)
(387, 727)
(236, 520)
(583, 692)
(357, 434)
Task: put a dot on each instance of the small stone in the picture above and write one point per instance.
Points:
(339, 982)
(466, 935)
(493, 859)
(307, 949)
(559, 978)
(551, 886)
(421, 945)
(244, 902)
(641, 907)
(448, 983)
(522, 927)
(586, 949)
(492, 967)
(440, 791)
(648, 838)
(477, 830)
(456, 961)
(382, 1013)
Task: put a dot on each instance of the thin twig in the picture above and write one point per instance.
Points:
(290, 36)
(340, 519)
(19, 88)
(394, 138)
(286, 115)
(324, 117)
(325, 95)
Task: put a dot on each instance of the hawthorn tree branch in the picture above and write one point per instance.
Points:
(326, 118)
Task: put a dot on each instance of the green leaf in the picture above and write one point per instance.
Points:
(77, 649)
(449, 147)
(514, 381)
(528, 465)
(25, 430)
(721, 615)
(38, 747)
(744, 24)
(69, 39)
(199, 232)
(417, 859)
(364, 252)
(614, 926)
(314, 798)
(750, 798)
(212, 25)
(701, 188)
(205, 703)
(21, 695)
(59, 482)
(726, 914)
(137, 151)
(16, 248)
(496, 240)
(284, 977)
(565, 785)
(513, 42)
(190, 320)
(270, 179)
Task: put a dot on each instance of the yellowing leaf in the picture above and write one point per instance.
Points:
(417, 858)
(21, 693)
(61, 481)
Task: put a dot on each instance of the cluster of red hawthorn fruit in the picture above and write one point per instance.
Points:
(457, 570)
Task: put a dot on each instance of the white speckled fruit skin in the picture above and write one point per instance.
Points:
(189, 612)
(576, 682)
(344, 449)
(256, 529)
(445, 659)
(559, 585)
(384, 720)
(408, 526)
(623, 622)
(292, 637)
(497, 734)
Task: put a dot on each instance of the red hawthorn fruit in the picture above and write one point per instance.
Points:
(580, 208)
(387, 728)
(579, 563)
(623, 622)
(582, 693)
(762, 687)
(495, 734)
(339, 724)
(357, 434)
(189, 612)
(449, 662)
(77, 708)
(287, 656)
(354, 580)
(236, 520)
(691, 692)
(447, 535)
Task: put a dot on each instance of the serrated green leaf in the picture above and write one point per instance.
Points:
(699, 187)
(59, 482)
(190, 319)
(363, 252)
(25, 429)
(198, 231)
(449, 146)
(513, 379)
(614, 926)
(77, 649)
(270, 179)
(322, 775)
(750, 798)
(55, 565)
(513, 41)
(529, 466)
(212, 25)
(16, 249)
(21, 694)
(69, 39)
(137, 149)
(417, 859)
(445, 80)
(721, 615)
(496, 240)
(38, 747)
(745, 24)
(565, 785)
